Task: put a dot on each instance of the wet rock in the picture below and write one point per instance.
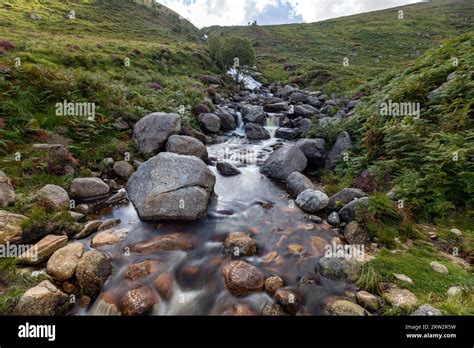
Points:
(88, 229)
(287, 90)
(88, 188)
(42, 250)
(312, 201)
(138, 302)
(368, 301)
(272, 284)
(276, 107)
(427, 310)
(153, 130)
(184, 145)
(242, 278)
(342, 145)
(288, 299)
(273, 310)
(304, 125)
(355, 234)
(345, 269)
(339, 307)
(108, 237)
(164, 284)
(400, 298)
(314, 150)
(297, 183)
(45, 299)
(53, 198)
(298, 97)
(93, 270)
(254, 131)
(439, 268)
(123, 169)
(239, 244)
(344, 197)
(210, 123)
(63, 263)
(348, 212)
(334, 219)
(366, 182)
(287, 133)
(306, 111)
(10, 227)
(76, 216)
(227, 169)
(171, 187)
(226, 115)
(7, 193)
(239, 310)
(253, 114)
(107, 224)
(167, 242)
(283, 162)
(143, 269)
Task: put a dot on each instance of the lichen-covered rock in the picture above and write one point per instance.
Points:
(239, 244)
(242, 278)
(312, 201)
(93, 270)
(45, 299)
(63, 263)
(88, 188)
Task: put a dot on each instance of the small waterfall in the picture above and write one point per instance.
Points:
(103, 308)
(272, 123)
(240, 130)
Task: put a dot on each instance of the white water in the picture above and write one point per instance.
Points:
(249, 82)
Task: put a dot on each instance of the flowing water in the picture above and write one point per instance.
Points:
(289, 243)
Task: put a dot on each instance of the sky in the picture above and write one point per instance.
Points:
(205, 13)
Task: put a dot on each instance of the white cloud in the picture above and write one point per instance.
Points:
(204, 13)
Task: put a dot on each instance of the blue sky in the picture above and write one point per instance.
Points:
(204, 13)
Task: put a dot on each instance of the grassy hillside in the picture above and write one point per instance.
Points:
(312, 55)
(85, 60)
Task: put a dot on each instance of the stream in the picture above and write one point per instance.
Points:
(289, 244)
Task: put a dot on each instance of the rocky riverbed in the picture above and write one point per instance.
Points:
(223, 222)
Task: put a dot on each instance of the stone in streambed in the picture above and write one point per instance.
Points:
(88, 188)
(93, 270)
(227, 169)
(138, 302)
(167, 242)
(254, 131)
(210, 123)
(171, 187)
(45, 299)
(188, 146)
(153, 130)
(314, 150)
(62, 264)
(283, 162)
(344, 197)
(242, 278)
(123, 169)
(340, 307)
(312, 201)
(298, 183)
(239, 244)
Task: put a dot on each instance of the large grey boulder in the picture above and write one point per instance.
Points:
(288, 133)
(210, 123)
(88, 188)
(171, 187)
(255, 131)
(276, 107)
(53, 198)
(298, 97)
(253, 114)
(339, 268)
(343, 144)
(189, 146)
(62, 264)
(283, 162)
(298, 183)
(7, 193)
(227, 118)
(314, 150)
(152, 131)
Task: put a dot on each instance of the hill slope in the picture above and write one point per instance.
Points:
(126, 58)
(312, 55)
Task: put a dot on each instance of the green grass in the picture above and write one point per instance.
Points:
(429, 286)
(374, 43)
(17, 283)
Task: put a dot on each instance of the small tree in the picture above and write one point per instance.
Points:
(214, 42)
(237, 52)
